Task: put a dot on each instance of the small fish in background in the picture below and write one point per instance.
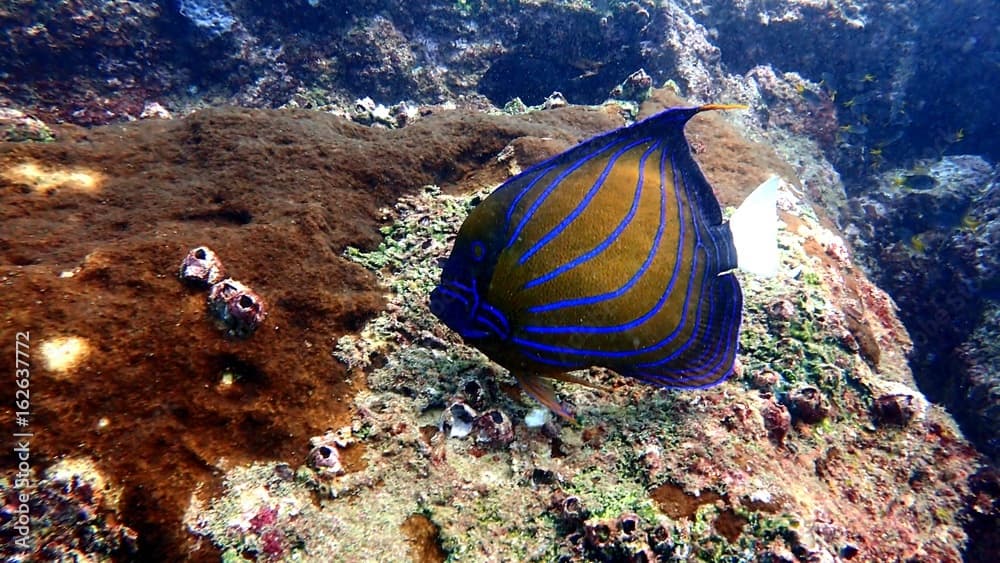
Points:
(615, 254)
(854, 129)
(861, 77)
(969, 223)
(807, 94)
(916, 181)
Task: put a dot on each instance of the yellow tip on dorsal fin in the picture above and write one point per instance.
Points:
(708, 107)
(541, 389)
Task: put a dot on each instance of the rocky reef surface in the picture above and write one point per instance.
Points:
(931, 233)
(128, 363)
(889, 68)
(351, 425)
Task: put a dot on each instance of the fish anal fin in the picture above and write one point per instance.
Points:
(541, 389)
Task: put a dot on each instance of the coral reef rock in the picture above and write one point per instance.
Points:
(343, 227)
(124, 362)
(929, 235)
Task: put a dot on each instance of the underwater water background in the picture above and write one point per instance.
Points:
(323, 155)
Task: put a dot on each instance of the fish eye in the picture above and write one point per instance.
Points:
(478, 251)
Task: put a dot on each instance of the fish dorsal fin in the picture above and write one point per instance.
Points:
(755, 230)
(669, 125)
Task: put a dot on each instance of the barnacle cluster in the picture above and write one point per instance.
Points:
(238, 309)
(620, 538)
(492, 428)
(637, 86)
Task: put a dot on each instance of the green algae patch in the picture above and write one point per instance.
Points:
(608, 496)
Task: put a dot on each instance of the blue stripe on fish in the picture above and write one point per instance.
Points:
(597, 250)
(656, 307)
(730, 344)
(618, 292)
(697, 376)
(548, 191)
(607, 353)
(584, 203)
(521, 194)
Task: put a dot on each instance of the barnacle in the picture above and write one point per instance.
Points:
(238, 308)
(202, 266)
(808, 404)
(458, 420)
(325, 454)
(494, 428)
(896, 409)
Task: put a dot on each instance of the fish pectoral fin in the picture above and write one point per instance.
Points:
(577, 380)
(541, 389)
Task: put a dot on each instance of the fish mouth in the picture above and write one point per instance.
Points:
(452, 306)
(439, 303)
(460, 307)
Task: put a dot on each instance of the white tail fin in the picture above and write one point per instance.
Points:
(755, 230)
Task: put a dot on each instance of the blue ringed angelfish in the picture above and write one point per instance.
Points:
(613, 253)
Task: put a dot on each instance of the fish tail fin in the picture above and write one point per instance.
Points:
(541, 389)
(755, 230)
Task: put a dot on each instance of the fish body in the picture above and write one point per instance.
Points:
(917, 181)
(613, 253)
